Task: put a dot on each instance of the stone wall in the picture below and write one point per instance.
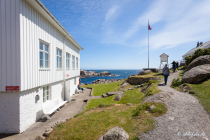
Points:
(140, 80)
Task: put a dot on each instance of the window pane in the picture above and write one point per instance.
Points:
(59, 59)
(46, 48)
(40, 55)
(41, 63)
(46, 56)
(40, 46)
(46, 64)
(59, 53)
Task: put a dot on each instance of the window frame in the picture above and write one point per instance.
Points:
(73, 62)
(44, 52)
(57, 56)
(68, 61)
(46, 97)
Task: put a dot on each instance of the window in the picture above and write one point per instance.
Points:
(46, 93)
(43, 55)
(75, 81)
(67, 61)
(73, 62)
(77, 63)
(59, 58)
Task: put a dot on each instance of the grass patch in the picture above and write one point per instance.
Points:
(176, 82)
(94, 123)
(158, 110)
(131, 96)
(202, 92)
(100, 89)
(153, 89)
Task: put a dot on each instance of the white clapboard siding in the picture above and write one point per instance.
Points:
(33, 28)
(21, 29)
(9, 44)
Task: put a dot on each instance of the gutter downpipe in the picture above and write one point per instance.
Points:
(64, 67)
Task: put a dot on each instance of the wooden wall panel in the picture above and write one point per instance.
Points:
(9, 44)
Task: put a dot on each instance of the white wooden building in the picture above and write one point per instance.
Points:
(39, 63)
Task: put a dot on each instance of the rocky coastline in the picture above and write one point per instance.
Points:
(84, 74)
(103, 81)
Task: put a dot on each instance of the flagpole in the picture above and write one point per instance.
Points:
(148, 44)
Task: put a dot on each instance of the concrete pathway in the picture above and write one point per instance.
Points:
(185, 119)
(68, 111)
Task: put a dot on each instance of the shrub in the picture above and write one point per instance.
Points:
(197, 53)
(176, 82)
(138, 110)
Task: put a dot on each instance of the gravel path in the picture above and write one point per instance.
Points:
(185, 118)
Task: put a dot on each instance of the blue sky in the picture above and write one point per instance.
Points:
(114, 33)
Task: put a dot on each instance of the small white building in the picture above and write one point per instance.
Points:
(39, 63)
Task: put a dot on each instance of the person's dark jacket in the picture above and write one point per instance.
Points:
(174, 64)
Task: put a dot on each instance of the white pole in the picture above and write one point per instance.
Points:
(148, 43)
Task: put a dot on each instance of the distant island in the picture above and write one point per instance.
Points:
(84, 74)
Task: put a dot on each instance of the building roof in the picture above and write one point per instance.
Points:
(164, 54)
(202, 46)
(45, 12)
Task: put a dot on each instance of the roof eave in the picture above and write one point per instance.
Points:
(46, 13)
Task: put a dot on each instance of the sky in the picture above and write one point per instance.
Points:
(114, 33)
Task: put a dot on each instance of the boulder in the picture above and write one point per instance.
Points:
(117, 97)
(104, 95)
(47, 132)
(115, 133)
(129, 104)
(201, 60)
(114, 92)
(144, 72)
(160, 97)
(197, 74)
(151, 107)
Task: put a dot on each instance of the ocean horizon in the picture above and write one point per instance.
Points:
(120, 74)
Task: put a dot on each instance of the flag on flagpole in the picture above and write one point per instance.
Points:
(149, 28)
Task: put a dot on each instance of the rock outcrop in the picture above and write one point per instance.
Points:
(115, 133)
(161, 97)
(84, 73)
(144, 72)
(202, 60)
(140, 80)
(197, 74)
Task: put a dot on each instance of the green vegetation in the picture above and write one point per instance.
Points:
(196, 54)
(153, 89)
(158, 110)
(100, 89)
(176, 82)
(94, 123)
(131, 96)
(202, 92)
(102, 114)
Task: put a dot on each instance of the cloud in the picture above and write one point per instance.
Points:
(174, 23)
(111, 12)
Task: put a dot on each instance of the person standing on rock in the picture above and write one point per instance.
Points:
(177, 65)
(173, 65)
(166, 73)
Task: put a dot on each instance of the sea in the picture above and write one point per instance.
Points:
(120, 74)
